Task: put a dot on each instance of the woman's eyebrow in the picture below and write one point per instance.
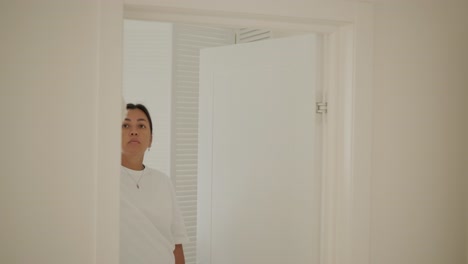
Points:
(140, 119)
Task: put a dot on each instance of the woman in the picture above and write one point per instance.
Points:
(151, 227)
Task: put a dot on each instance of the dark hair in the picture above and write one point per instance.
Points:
(145, 110)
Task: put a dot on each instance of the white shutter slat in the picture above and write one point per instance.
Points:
(245, 35)
(188, 40)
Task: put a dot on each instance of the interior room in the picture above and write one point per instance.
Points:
(397, 78)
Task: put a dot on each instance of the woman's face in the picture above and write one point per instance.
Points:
(136, 134)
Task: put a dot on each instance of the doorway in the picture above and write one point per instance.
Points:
(161, 69)
(346, 45)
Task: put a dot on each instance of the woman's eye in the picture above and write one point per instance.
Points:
(142, 126)
(124, 126)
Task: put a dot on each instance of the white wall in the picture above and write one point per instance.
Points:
(147, 79)
(419, 111)
(54, 85)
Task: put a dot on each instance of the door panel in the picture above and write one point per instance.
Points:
(259, 190)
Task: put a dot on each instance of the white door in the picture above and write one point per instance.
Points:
(259, 179)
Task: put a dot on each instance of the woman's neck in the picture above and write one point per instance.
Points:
(135, 163)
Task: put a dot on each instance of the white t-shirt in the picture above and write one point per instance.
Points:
(150, 221)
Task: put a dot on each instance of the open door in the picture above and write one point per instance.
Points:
(259, 194)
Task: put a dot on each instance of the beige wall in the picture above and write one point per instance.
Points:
(465, 137)
(53, 82)
(45, 192)
(419, 113)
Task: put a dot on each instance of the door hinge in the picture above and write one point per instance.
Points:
(321, 108)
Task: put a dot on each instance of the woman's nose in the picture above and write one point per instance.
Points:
(133, 133)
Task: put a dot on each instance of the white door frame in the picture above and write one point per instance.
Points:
(347, 87)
